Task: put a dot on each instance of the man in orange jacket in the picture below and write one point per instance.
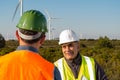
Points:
(25, 63)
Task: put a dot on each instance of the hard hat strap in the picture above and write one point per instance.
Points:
(29, 37)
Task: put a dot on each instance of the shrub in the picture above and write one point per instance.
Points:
(2, 41)
(104, 43)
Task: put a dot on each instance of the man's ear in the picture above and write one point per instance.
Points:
(17, 35)
(42, 39)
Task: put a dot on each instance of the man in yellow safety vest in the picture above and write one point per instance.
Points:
(74, 66)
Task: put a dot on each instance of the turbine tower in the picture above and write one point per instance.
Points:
(20, 4)
(53, 38)
(21, 7)
(49, 23)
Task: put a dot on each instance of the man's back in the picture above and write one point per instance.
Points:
(25, 65)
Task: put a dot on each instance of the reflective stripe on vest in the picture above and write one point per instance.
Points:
(60, 68)
(89, 64)
(85, 60)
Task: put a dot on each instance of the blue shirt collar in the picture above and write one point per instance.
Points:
(27, 48)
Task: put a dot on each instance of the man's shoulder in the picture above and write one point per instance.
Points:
(87, 57)
(58, 61)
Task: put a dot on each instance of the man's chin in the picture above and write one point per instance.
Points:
(69, 58)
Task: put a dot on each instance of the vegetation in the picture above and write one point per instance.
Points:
(2, 41)
(105, 51)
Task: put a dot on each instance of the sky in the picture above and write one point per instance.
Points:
(90, 19)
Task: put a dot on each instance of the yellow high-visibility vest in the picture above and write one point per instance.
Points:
(86, 72)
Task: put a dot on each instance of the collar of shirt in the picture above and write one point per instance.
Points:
(27, 48)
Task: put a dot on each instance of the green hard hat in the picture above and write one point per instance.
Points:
(33, 20)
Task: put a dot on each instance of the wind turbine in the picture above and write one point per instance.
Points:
(20, 4)
(81, 36)
(49, 23)
(53, 33)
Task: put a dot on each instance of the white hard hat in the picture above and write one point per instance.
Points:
(67, 36)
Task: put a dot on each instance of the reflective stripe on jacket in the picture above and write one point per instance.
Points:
(87, 69)
(25, 65)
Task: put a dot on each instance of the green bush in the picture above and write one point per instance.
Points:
(104, 43)
(2, 41)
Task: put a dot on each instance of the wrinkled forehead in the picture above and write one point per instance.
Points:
(69, 43)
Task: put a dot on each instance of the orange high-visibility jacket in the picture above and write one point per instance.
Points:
(25, 65)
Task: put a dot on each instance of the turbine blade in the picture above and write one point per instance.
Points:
(55, 18)
(47, 13)
(16, 10)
